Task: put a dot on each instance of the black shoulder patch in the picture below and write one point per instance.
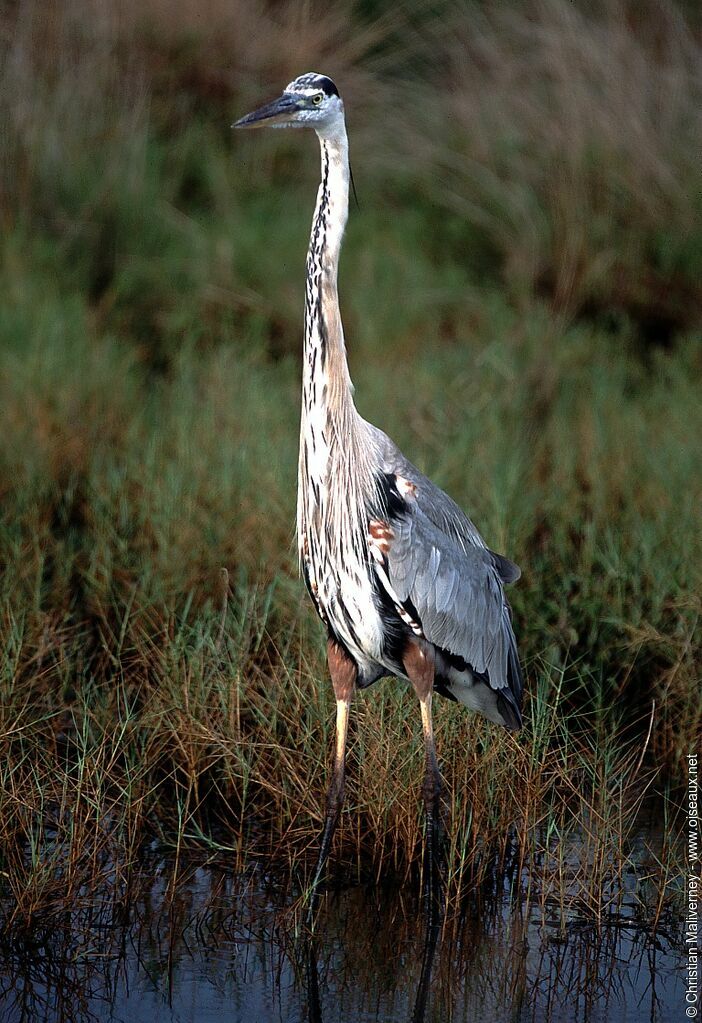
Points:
(393, 503)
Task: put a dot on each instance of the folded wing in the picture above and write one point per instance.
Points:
(456, 598)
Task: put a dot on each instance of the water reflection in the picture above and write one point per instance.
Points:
(217, 947)
(434, 913)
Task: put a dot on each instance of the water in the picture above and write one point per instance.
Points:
(225, 948)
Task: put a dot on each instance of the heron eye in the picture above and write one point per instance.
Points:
(318, 98)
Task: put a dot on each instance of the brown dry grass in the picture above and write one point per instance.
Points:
(213, 732)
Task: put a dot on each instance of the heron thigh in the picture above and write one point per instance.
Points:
(418, 661)
(342, 669)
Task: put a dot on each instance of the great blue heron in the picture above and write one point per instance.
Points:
(400, 577)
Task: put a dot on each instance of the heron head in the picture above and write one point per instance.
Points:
(310, 101)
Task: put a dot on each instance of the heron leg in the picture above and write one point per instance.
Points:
(343, 673)
(419, 665)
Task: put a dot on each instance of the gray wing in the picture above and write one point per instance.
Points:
(448, 583)
(457, 598)
(437, 506)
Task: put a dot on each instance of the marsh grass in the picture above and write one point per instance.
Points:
(567, 154)
(162, 676)
(209, 737)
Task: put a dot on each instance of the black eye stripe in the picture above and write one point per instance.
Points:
(327, 86)
(306, 83)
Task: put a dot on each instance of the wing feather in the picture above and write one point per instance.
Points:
(438, 507)
(438, 564)
(456, 593)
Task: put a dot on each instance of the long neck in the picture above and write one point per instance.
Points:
(326, 382)
(336, 477)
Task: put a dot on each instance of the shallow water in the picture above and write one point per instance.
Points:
(224, 948)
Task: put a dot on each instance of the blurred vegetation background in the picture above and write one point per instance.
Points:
(522, 294)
